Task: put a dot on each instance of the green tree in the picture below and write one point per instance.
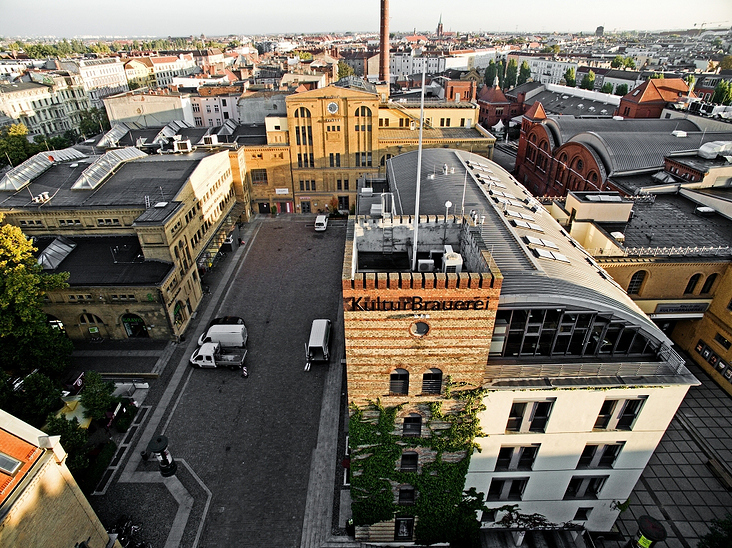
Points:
(726, 62)
(621, 89)
(570, 77)
(719, 535)
(73, 440)
(96, 396)
(617, 61)
(607, 88)
(93, 121)
(501, 73)
(344, 70)
(490, 73)
(511, 74)
(657, 76)
(690, 81)
(35, 399)
(27, 341)
(14, 145)
(524, 73)
(588, 81)
(629, 63)
(722, 93)
(303, 55)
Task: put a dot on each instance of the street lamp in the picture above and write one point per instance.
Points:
(448, 205)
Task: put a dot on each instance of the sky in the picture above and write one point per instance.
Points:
(157, 18)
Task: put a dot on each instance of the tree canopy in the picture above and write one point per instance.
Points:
(570, 77)
(96, 396)
(344, 70)
(621, 89)
(511, 74)
(722, 93)
(719, 535)
(588, 81)
(524, 73)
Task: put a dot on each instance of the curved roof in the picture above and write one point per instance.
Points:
(566, 127)
(531, 276)
(628, 153)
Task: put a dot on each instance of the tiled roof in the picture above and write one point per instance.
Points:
(27, 454)
(492, 95)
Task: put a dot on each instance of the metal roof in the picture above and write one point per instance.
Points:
(105, 165)
(528, 280)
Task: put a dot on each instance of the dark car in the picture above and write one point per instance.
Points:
(226, 320)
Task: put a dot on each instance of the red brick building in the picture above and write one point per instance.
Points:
(651, 97)
(495, 107)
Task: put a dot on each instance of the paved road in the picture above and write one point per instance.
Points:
(250, 440)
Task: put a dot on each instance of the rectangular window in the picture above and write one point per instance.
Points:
(618, 414)
(299, 160)
(516, 458)
(406, 496)
(462, 122)
(507, 488)
(223, 102)
(8, 464)
(339, 185)
(600, 455)
(529, 416)
(584, 487)
(345, 184)
(312, 184)
(582, 514)
(259, 176)
(442, 122)
(312, 160)
(403, 528)
(332, 159)
(307, 185)
(338, 159)
(302, 185)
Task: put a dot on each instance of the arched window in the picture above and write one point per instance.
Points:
(691, 286)
(302, 112)
(708, 283)
(636, 281)
(432, 381)
(384, 159)
(90, 319)
(363, 111)
(399, 382)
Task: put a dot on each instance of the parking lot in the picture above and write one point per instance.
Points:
(244, 446)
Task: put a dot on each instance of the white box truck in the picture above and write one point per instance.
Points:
(318, 346)
(228, 336)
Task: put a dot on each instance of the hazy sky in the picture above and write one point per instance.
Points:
(70, 18)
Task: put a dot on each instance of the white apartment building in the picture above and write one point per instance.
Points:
(215, 110)
(49, 108)
(100, 77)
(545, 70)
(165, 69)
(402, 64)
(149, 109)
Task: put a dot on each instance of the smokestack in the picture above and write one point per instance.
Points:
(384, 46)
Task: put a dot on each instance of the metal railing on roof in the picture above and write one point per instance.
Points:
(721, 250)
(564, 370)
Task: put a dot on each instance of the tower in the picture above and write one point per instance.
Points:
(384, 43)
(439, 28)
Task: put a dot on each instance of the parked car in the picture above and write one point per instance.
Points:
(321, 223)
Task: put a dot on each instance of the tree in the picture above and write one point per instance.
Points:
(607, 88)
(588, 81)
(570, 77)
(96, 396)
(621, 89)
(629, 62)
(35, 399)
(14, 145)
(722, 93)
(501, 73)
(344, 70)
(524, 73)
(73, 440)
(690, 81)
(719, 535)
(657, 76)
(511, 74)
(93, 121)
(617, 61)
(726, 63)
(490, 73)
(27, 341)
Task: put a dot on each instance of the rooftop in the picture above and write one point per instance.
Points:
(107, 261)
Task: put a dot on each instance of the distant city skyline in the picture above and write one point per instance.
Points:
(135, 18)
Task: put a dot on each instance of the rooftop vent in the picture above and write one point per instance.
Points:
(619, 236)
(678, 133)
(160, 204)
(367, 191)
(704, 211)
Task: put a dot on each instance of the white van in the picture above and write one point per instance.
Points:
(318, 347)
(228, 336)
(321, 223)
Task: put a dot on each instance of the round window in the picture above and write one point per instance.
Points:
(419, 329)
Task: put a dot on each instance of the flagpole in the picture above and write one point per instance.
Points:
(419, 174)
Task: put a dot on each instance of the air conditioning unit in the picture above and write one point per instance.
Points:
(705, 211)
(182, 146)
(210, 139)
(453, 262)
(425, 265)
(367, 191)
(376, 210)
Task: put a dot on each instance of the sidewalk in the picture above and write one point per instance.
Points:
(678, 487)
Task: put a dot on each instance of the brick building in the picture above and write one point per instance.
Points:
(650, 98)
(495, 318)
(561, 153)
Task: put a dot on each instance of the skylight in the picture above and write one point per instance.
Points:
(18, 177)
(51, 257)
(104, 165)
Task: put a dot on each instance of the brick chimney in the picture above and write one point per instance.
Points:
(384, 44)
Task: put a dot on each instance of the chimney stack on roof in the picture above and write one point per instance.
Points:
(384, 44)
